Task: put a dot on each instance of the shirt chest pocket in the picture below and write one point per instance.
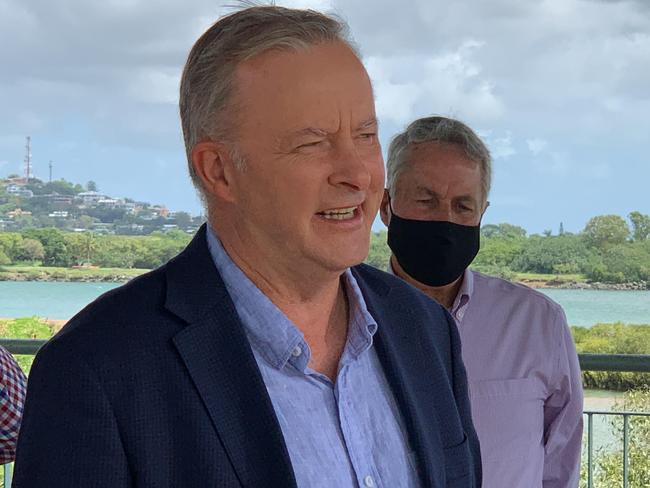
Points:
(508, 416)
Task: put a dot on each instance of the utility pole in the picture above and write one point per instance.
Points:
(28, 159)
(50, 171)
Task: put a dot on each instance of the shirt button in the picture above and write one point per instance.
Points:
(460, 314)
(297, 351)
(368, 481)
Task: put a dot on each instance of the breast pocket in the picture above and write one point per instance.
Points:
(508, 416)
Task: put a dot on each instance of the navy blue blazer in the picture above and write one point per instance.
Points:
(154, 384)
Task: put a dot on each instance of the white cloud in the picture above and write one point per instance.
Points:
(536, 145)
(560, 86)
(501, 147)
(407, 87)
(155, 86)
(554, 163)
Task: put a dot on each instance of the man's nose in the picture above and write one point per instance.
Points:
(350, 168)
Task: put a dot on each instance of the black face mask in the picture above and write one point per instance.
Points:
(433, 252)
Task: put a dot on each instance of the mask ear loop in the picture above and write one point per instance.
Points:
(390, 204)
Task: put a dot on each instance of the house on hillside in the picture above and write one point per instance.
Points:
(108, 202)
(91, 197)
(18, 213)
(19, 191)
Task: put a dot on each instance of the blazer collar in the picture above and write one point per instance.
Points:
(221, 365)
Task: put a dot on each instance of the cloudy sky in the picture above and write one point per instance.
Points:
(559, 89)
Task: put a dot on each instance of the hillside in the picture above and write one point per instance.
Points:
(70, 206)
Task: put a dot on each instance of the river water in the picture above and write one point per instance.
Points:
(56, 300)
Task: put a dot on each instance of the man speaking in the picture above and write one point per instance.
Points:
(263, 355)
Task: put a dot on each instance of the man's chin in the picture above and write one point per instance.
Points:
(344, 260)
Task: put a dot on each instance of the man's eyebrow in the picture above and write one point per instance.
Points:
(318, 132)
(308, 131)
(468, 198)
(424, 189)
(370, 123)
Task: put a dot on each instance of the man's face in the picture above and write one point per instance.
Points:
(314, 174)
(438, 182)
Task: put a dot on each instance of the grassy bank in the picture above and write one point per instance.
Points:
(50, 273)
(22, 272)
(541, 280)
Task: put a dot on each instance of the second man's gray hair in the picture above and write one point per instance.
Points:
(443, 130)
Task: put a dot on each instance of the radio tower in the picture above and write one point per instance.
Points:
(28, 159)
(50, 171)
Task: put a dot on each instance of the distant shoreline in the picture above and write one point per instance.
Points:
(122, 275)
(559, 284)
(68, 275)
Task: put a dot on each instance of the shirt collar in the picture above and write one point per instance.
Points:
(270, 331)
(462, 297)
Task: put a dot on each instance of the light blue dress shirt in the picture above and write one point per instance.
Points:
(343, 434)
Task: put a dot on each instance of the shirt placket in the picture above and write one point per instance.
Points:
(352, 427)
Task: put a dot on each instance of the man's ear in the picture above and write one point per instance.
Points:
(485, 207)
(384, 208)
(214, 167)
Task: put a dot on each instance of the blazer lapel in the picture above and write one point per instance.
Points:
(221, 364)
(401, 351)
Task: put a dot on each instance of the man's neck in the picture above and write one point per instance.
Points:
(313, 300)
(444, 295)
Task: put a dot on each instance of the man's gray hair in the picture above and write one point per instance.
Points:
(207, 83)
(443, 130)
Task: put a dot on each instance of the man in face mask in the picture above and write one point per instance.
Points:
(521, 363)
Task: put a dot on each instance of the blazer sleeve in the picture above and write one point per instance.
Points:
(69, 435)
(461, 395)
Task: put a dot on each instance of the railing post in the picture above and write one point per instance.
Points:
(626, 442)
(7, 472)
(590, 450)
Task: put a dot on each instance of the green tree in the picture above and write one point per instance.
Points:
(556, 254)
(91, 186)
(503, 230)
(53, 241)
(379, 252)
(606, 230)
(9, 243)
(30, 250)
(182, 219)
(4, 259)
(640, 226)
(497, 254)
(61, 187)
(81, 247)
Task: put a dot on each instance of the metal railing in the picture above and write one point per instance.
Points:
(626, 442)
(588, 362)
(627, 363)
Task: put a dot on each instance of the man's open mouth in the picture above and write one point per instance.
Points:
(339, 213)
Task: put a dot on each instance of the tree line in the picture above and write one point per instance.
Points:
(53, 247)
(608, 250)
